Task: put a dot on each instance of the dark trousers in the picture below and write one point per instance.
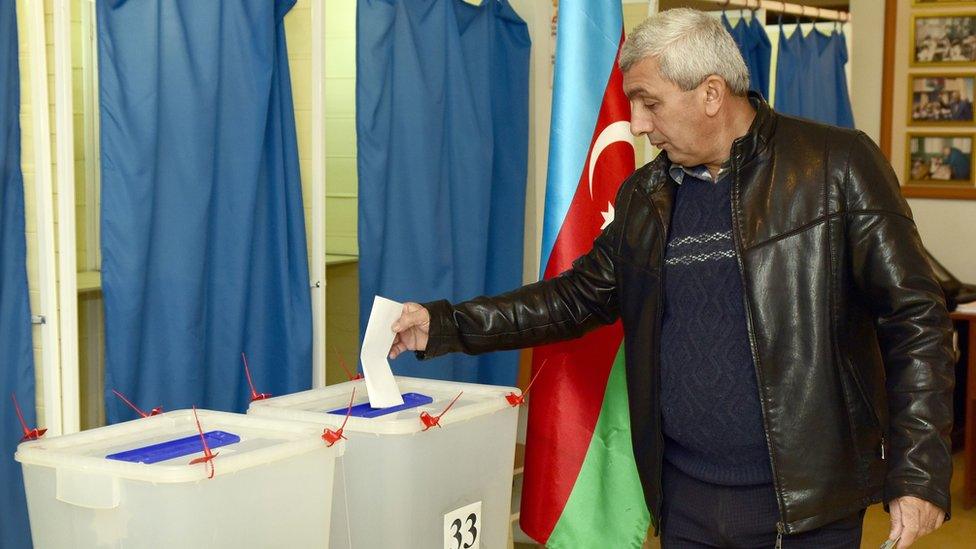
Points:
(698, 514)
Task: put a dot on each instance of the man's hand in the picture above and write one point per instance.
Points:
(411, 330)
(912, 518)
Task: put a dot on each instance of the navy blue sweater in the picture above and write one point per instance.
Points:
(709, 397)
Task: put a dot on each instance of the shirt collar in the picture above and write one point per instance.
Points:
(678, 173)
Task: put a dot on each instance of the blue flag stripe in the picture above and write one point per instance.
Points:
(576, 98)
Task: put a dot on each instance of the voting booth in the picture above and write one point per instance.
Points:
(414, 475)
(133, 484)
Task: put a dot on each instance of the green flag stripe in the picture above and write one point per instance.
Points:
(606, 507)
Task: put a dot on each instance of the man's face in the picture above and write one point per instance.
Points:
(672, 119)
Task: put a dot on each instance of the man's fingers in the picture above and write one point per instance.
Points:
(393, 346)
(413, 315)
(939, 520)
(896, 525)
(397, 349)
(910, 517)
(908, 537)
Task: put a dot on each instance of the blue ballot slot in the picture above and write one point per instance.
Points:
(175, 448)
(410, 400)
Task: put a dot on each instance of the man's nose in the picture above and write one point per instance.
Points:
(640, 125)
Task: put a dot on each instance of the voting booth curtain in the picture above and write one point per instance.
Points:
(16, 359)
(809, 69)
(203, 234)
(442, 124)
(753, 42)
(810, 77)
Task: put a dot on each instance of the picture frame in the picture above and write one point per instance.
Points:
(939, 3)
(943, 39)
(939, 159)
(941, 99)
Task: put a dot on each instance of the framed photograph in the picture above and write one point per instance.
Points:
(933, 3)
(943, 39)
(940, 159)
(941, 99)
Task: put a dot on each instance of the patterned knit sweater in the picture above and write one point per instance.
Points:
(709, 396)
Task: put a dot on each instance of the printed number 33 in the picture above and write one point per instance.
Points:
(473, 530)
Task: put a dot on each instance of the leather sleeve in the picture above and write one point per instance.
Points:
(563, 307)
(892, 272)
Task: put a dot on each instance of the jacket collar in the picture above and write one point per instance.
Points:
(751, 144)
(744, 148)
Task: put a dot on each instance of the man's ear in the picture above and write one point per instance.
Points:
(714, 93)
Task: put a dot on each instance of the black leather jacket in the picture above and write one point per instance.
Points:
(848, 328)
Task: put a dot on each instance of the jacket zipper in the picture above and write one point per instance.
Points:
(867, 402)
(737, 242)
(657, 386)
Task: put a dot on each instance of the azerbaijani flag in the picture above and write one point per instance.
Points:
(581, 487)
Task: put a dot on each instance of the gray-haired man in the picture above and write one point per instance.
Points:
(788, 349)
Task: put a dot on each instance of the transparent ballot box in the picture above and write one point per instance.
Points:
(133, 485)
(415, 476)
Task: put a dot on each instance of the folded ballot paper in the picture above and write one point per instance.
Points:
(380, 385)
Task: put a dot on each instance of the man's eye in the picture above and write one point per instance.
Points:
(650, 106)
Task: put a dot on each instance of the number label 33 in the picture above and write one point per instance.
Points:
(462, 527)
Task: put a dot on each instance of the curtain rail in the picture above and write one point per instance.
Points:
(785, 7)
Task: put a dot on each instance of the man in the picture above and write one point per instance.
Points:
(958, 163)
(788, 349)
(960, 108)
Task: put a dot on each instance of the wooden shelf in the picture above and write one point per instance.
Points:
(337, 259)
(89, 281)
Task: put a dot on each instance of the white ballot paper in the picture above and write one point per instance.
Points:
(382, 388)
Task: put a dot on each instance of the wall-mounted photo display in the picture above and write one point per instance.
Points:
(942, 99)
(943, 39)
(940, 159)
(953, 3)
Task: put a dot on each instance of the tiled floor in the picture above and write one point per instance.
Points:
(958, 533)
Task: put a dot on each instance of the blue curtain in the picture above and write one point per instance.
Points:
(16, 358)
(753, 43)
(810, 77)
(442, 123)
(203, 234)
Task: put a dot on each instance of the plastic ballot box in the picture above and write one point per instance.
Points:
(132, 484)
(415, 476)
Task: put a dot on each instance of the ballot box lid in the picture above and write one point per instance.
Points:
(329, 406)
(159, 448)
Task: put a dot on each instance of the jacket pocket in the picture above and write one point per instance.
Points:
(869, 434)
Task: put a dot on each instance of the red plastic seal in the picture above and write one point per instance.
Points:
(208, 456)
(517, 400)
(346, 368)
(29, 434)
(154, 412)
(431, 421)
(330, 436)
(254, 394)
